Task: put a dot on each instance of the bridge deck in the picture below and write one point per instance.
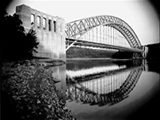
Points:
(94, 44)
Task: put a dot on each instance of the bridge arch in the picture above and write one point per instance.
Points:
(77, 28)
(115, 94)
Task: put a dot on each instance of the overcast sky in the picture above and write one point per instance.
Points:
(139, 14)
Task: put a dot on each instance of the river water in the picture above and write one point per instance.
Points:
(109, 89)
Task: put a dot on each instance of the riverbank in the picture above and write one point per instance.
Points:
(29, 92)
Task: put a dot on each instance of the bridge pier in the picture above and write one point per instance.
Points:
(142, 54)
(137, 55)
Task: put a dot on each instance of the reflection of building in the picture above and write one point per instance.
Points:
(109, 90)
(49, 30)
(59, 75)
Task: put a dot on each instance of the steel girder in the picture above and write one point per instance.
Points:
(75, 29)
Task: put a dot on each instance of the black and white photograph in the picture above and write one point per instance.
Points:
(80, 60)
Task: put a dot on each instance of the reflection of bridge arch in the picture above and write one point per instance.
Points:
(81, 93)
(76, 29)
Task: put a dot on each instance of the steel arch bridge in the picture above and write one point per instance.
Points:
(76, 29)
(80, 91)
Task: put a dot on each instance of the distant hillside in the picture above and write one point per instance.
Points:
(76, 52)
(153, 51)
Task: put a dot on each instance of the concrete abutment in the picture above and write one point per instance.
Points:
(50, 32)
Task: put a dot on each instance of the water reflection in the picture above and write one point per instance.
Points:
(108, 84)
(105, 89)
(59, 74)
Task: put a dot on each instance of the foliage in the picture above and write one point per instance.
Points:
(16, 43)
(29, 93)
(30, 42)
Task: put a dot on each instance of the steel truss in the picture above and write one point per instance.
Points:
(75, 29)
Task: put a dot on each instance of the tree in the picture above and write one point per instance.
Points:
(30, 43)
(16, 43)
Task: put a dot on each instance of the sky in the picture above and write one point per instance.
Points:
(139, 14)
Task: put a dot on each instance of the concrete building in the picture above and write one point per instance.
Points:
(50, 31)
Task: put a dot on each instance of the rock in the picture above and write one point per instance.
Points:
(38, 101)
(49, 106)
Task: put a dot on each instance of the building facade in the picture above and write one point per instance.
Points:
(50, 31)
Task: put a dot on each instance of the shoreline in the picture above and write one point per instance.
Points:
(111, 59)
(29, 92)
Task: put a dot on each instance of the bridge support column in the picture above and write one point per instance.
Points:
(137, 55)
(145, 52)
